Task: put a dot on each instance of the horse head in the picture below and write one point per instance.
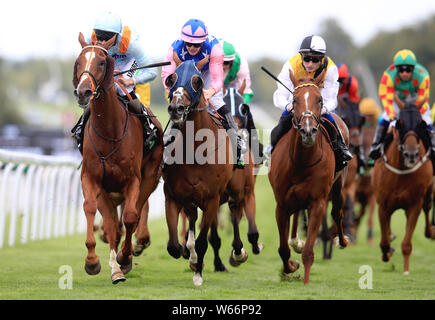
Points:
(93, 70)
(307, 107)
(409, 129)
(354, 120)
(185, 90)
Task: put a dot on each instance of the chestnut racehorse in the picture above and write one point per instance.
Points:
(402, 179)
(302, 173)
(114, 170)
(200, 176)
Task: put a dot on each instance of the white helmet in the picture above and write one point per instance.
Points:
(108, 21)
(313, 44)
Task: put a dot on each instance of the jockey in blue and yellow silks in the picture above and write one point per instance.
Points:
(404, 80)
(310, 62)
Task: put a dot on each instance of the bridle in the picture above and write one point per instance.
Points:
(305, 114)
(96, 87)
(95, 94)
(189, 109)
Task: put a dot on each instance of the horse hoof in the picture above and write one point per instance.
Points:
(175, 251)
(139, 248)
(339, 245)
(297, 245)
(392, 236)
(93, 269)
(258, 248)
(406, 273)
(237, 260)
(125, 268)
(197, 280)
(118, 277)
(220, 268)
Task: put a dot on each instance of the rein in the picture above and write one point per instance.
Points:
(406, 171)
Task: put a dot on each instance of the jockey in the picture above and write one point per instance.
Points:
(236, 75)
(348, 86)
(310, 62)
(348, 95)
(196, 44)
(404, 80)
(128, 54)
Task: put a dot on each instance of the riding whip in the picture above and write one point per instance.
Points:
(275, 78)
(160, 64)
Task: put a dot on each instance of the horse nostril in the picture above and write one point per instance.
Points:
(76, 94)
(180, 109)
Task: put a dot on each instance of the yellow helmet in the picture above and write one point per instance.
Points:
(368, 106)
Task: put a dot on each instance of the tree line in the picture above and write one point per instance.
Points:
(25, 79)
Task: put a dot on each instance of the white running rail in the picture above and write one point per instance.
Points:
(41, 198)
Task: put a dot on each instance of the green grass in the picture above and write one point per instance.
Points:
(32, 271)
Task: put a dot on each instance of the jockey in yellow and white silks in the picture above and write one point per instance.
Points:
(310, 62)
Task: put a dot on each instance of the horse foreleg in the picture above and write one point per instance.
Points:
(283, 222)
(209, 215)
(315, 219)
(130, 218)
(250, 210)
(239, 254)
(107, 210)
(215, 242)
(90, 191)
(172, 210)
(384, 221)
(427, 206)
(295, 242)
(411, 221)
(338, 213)
(142, 233)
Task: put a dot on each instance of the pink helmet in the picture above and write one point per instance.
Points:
(194, 31)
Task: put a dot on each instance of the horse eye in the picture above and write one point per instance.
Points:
(102, 63)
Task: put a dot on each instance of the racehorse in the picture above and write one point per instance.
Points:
(302, 173)
(364, 195)
(200, 176)
(114, 170)
(354, 120)
(402, 178)
(240, 191)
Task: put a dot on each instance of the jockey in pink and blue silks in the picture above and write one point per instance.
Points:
(196, 44)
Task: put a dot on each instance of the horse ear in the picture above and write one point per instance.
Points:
(242, 88)
(244, 109)
(82, 40)
(200, 64)
(197, 83)
(109, 43)
(170, 80)
(176, 59)
(293, 78)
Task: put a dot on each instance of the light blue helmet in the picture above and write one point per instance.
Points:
(108, 21)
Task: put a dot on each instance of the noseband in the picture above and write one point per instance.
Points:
(401, 143)
(95, 83)
(305, 114)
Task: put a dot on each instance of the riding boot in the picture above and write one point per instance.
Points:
(254, 141)
(341, 151)
(361, 159)
(78, 130)
(231, 128)
(283, 126)
(375, 149)
(432, 148)
(149, 129)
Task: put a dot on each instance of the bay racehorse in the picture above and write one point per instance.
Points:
(114, 170)
(402, 179)
(354, 121)
(302, 173)
(198, 177)
(364, 195)
(240, 191)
